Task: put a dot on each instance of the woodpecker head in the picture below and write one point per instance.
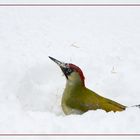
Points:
(71, 71)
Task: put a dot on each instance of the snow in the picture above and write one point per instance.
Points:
(102, 41)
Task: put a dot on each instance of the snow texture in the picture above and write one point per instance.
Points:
(103, 41)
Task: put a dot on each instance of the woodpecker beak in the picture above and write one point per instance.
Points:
(60, 64)
(64, 66)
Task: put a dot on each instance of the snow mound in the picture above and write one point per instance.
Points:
(102, 41)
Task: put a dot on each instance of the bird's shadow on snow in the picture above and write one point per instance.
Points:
(38, 90)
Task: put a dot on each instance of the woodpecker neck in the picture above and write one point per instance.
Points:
(75, 79)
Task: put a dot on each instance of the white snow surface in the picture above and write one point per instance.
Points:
(103, 41)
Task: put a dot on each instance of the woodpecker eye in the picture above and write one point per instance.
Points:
(68, 71)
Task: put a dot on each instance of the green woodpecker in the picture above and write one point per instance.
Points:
(78, 99)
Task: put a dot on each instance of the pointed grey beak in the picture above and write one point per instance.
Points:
(64, 66)
(61, 64)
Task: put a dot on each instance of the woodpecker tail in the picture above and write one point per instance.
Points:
(135, 106)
